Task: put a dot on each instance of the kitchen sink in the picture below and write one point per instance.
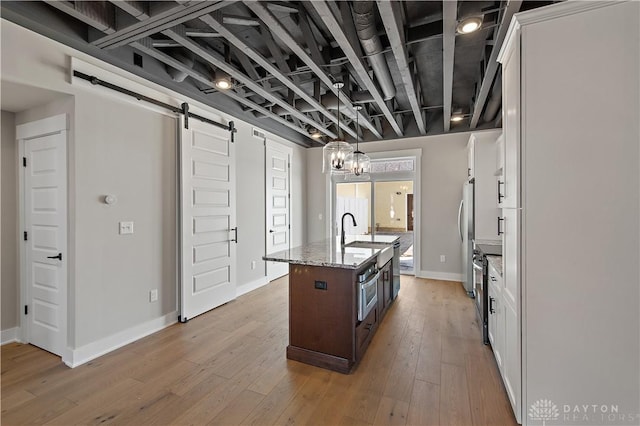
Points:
(385, 254)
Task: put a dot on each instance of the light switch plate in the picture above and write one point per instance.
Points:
(153, 295)
(126, 228)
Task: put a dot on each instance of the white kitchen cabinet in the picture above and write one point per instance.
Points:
(481, 151)
(572, 185)
(496, 316)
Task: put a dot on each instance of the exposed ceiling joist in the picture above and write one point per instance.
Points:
(216, 24)
(146, 47)
(337, 29)
(215, 59)
(137, 9)
(392, 19)
(449, 16)
(78, 10)
(156, 23)
(512, 7)
(276, 27)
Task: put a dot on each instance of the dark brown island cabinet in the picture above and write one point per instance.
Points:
(325, 298)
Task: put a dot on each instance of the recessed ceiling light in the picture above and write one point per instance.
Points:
(457, 118)
(469, 25)
(316, 134)
(223, 83)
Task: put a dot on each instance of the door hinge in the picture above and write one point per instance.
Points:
(24, 161)
(25, 235)
(26, 309)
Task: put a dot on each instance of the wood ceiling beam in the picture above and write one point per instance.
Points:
(449, 22)
(313, 60)
(216, 24)
(492, 67)
(394, 26)
(215, 59)
(158, 22)
(146, 46)
(339, 31)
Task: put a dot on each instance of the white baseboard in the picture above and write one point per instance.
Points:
(250, 286)
(443, 276)
(9, 335)
(93, 350)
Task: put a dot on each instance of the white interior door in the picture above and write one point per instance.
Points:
(278, 209)
(43, 145)
(208, 216)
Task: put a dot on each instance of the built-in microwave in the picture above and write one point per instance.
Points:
(367, 293)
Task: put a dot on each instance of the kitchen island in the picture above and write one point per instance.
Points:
(337, 297)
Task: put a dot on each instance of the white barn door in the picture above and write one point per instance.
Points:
(43, 145)
(208, 216)
(278, 209)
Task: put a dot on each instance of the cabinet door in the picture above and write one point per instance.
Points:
(511, 367)
(511, 128)
(511, 256)
(496, 320)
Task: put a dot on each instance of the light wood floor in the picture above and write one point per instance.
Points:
(425, 366)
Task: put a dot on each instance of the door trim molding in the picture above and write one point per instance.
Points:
(270, 143)
(24, 132)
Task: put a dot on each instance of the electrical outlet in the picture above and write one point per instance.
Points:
(153, 295)
(319, 216)
(253, 264)
(443, 258)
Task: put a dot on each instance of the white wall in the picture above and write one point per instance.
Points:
(443, 170)
(119, 146)
(9, 223)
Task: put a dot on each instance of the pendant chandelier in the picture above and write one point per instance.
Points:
(335, 153)
(358, 163)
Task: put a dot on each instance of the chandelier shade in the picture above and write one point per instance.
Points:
(335, 153)
(358, 163)
(334, 157)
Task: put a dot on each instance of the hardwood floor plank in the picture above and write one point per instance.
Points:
(425, 404)
(454, 396)
(391, 412)
(424, 366)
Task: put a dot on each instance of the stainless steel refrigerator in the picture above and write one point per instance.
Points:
(465, 227)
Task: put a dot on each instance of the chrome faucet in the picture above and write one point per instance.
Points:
(342, 229)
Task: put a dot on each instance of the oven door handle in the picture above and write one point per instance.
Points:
(373, 280)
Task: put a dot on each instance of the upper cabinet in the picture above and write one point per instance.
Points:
(510, 181)
(482, 168)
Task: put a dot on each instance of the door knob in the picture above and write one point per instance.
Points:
(59, 257)
(271, 231)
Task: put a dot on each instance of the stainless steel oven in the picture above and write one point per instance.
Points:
(367, 291)
(480, 283)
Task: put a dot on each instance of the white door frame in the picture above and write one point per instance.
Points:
(415, 176)
(25, 132)
(269, 143)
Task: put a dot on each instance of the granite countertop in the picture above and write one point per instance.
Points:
(496, 262)
(329, 252)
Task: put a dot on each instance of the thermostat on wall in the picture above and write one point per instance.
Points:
(110, 199)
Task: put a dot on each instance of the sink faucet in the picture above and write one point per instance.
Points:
(342, 229)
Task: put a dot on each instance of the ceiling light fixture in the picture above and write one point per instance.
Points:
(358, 163)
(469, 25)
(316, 134)
(335, 152)
(457, 118)
(223, 81)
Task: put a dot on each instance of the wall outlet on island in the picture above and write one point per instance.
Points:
(443, 258)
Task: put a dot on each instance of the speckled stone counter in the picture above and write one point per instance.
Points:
(496, 262)
(329, 252)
